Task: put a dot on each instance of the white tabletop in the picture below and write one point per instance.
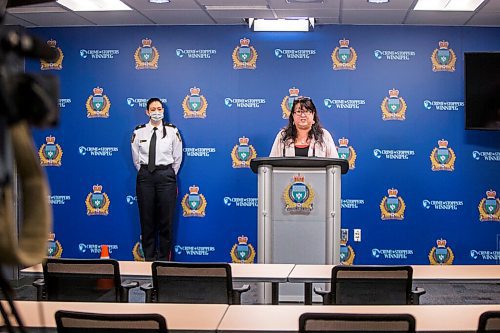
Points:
(241, 272)
(323, 273)
(204, 317)
(271, 318)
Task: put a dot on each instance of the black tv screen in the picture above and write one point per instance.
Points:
(482, 90)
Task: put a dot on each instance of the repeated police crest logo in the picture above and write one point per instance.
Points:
(287, 103)
(50, 153)
(243, 153)
(489, 207)
(443, 59)
(242, 253)
(54, 249)
(194, 203)
(344, 57)
(57, 63)
(346, 253)
(298, 196)
(98, 104)
(346, 152)
(137, 252)
(392, 207)
(442, 157)
(97, 202)
(393, 107)
(441, 255)
(244, 56)
(194, 104)
(146, 56)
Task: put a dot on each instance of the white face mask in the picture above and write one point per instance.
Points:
(156, 115)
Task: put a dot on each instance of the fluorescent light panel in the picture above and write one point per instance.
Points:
(257, 7)
(448, 5)
(280, 24)
(93, 5)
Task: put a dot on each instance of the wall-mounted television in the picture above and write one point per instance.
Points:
(482, 90)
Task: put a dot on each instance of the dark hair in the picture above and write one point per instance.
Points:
(151, 100)
(316, 131)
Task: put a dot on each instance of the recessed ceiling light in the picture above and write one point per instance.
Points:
(448, 5)
(159, 1)
(257, 7)
(93, 5)
(303, 24)
(377, 1)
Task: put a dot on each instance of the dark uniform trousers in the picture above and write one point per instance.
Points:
(156, 197)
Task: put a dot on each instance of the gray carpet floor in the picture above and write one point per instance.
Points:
(436, 292)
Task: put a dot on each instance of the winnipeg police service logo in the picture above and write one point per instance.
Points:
(243, 153)
(50, 153)
(97, 202)
(137, 252)
(442, 157)
(441, 255)
(194, 203)
(346, 152)
(57, 63)
(242, 253)
(344, 57)
(443, 59)
(298, 196)
(244, 56)
(146, 56)
(98, 104)
(393, 107)
(392, 207)
(194, 104)
(489, 207)
(346, 253)
(287, 103)
(54, 248)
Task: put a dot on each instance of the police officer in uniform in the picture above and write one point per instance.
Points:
(157, 156)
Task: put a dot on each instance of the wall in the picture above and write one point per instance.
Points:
(394, 153)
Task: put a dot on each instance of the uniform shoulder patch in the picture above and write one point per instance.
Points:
(170, 125)
(140, 126)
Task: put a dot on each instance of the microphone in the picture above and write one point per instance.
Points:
(28, 46)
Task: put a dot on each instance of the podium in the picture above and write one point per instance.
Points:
(298, 212)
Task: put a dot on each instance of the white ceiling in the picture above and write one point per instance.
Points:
(194, 12)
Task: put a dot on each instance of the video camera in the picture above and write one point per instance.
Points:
(25, 100)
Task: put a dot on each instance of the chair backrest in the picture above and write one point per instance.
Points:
(376, 285)
(489, 322)
(347, 323)
(175, 282)
(81, 280)
(83, 322)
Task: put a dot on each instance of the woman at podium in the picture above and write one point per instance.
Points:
(304, 135)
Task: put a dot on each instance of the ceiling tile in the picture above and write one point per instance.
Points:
(241, 13)
(327, 4)
(116, 18)
(55, 19)
(485, 19)
(307, 13)
(146, 5)
(365, 5)
(438, 17)
(170, 17)
(373, 16)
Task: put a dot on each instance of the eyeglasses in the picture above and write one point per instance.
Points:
(302, 98)
(303, 112)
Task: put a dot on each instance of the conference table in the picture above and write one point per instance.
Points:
(429, 318)
(309, 274)
(273, 273)
(255, 318)
(179, 317)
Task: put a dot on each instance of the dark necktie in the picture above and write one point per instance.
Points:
(152, 152)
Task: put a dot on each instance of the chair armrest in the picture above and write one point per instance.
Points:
(148, 289)
(325, 294)
(415, 295)
(125, 289)
(236, 293)
(40, 289)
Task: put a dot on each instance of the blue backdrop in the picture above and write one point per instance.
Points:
(357, 76)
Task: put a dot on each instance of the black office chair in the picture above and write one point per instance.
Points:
(83, 322)
(371, 285)
(350, 323)
(82, 280)
(489, 322)
(175, 282)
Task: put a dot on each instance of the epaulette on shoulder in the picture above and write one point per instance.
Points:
(170, 125)
(140, 126)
